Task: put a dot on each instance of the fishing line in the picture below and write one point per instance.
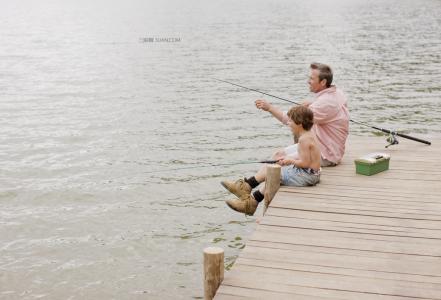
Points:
(214, 165)
(250, 89)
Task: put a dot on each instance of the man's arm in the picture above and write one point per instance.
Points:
(277, 113)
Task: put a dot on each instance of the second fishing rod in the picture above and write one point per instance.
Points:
(393, 134)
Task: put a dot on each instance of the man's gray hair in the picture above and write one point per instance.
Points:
(325, 72)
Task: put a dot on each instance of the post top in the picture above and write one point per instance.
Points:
(274, 166)
(213, 250)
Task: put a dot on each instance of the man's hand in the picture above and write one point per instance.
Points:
(306, 103)
(263, 105)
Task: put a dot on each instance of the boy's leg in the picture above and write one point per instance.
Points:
(248, 203)
(261, 174)
(292, 176)
(259, 194)
(243, 187)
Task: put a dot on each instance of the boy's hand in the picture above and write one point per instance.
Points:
(279, 155)
(286, 162)
(263, 105)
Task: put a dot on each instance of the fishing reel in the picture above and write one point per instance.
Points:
(392, 139)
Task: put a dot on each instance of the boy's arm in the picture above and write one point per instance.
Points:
(304, 160)
(277, 113)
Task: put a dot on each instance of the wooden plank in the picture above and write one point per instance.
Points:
(373, 202)
(399, 241)
(423, 271)
(387, 182)
(223, 293)
(335, 270)
(371, 254)
(361, 220)
(315, 202)
(395, 165)
(380, 183)
(234, 292)
(348, 191)
(320, 239)
(385, 189)
(225, 296)
(348, 227)
(355, 211)
(291, 291)
(386, 176)
(373, 188)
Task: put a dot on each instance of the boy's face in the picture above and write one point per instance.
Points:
(295, 129)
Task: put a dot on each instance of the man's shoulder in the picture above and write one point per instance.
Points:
(330, 92)
(330, 97)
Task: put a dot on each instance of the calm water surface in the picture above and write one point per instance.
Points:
(90, 110)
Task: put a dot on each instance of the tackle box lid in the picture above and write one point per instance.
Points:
(373, 158)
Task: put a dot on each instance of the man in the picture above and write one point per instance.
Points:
(331, 116)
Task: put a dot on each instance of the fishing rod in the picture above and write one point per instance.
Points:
(244, 87)
(215, 165)
(392, 139)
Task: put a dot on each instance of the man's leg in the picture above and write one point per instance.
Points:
(326, 163)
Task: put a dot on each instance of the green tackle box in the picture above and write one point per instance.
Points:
(372, 163)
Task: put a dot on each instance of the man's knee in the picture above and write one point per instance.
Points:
(326, 163)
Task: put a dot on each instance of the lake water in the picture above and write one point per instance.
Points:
(101, 99)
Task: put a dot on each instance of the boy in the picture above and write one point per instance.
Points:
(301, 171)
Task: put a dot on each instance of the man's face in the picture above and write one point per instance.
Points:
(315, 85)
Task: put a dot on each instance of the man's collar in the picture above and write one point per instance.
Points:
(330, 89)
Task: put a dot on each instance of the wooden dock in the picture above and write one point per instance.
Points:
(352, 236)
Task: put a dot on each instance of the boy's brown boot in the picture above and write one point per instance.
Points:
(246, 204)
(240, 187)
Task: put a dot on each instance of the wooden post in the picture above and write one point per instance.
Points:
(213, 270)
(272, 183)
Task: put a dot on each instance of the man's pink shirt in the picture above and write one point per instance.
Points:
(331, 122)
